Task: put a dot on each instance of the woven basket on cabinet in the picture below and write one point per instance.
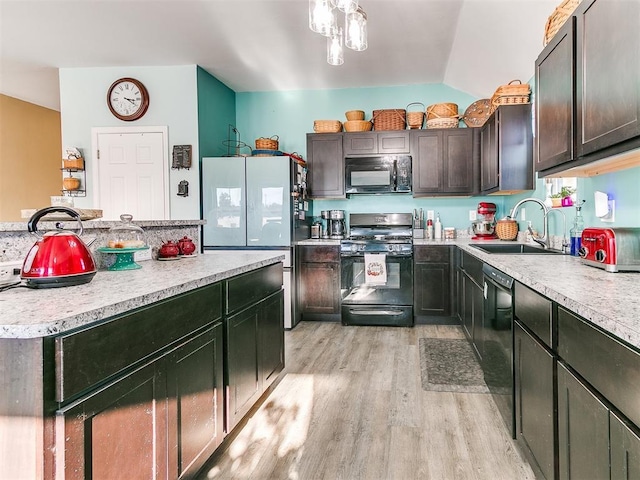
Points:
(327, 126)
(390, 119)
(558, 17)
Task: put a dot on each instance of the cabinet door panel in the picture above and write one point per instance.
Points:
(625, 450)
(271, 338)
(431, 289)
(326, 165)
(608, 84)
(364, 143)
(489, 155)
(120, 428)
(459, 161)
(427, 165)
(243, 381)
(583, 430)
(555, 77)
(195, 391)
(393, 142)
(320, 288)
(534, 399)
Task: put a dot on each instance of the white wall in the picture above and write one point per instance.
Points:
(173, 101)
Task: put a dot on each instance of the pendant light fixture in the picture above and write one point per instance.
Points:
(356, 30)
(323, 20)
(335, 52)
(345, 6)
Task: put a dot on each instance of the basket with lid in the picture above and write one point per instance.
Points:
(389, 119)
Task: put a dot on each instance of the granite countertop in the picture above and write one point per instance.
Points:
(32, 313)
(610, 301)
(98, 224)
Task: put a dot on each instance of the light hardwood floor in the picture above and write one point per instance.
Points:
(350, 406)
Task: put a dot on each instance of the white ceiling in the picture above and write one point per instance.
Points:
(265, 45)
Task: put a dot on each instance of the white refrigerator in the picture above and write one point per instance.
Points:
(256, 203)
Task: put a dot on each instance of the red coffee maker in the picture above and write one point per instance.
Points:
(485, 226)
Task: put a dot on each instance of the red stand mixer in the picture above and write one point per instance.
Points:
(485, 226)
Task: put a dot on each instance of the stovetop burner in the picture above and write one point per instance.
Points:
(378, 233)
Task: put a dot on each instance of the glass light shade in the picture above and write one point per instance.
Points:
(345, 6)
(322, 17)
(335, 52)
(356, 30)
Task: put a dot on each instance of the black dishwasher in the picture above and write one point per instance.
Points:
(497, 360)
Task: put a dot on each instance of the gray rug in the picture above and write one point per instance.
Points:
(449, 365)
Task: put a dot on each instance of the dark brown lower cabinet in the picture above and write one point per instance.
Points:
(163, 420)
(583, 430)
(625, 449)
(119, 429)
(195, 402)
(432, 280)
(535, 413)
(254, 353)
(319, 282)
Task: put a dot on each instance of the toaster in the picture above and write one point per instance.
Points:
(612, 249)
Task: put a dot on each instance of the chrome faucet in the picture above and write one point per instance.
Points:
(544, 239)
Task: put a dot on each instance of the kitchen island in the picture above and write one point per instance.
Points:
(136, 355)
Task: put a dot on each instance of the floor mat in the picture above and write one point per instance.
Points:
(449, 365)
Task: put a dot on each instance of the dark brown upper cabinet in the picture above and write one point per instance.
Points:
(380, 143)
(588, 88)
(445, 162)
(506, 151)
(325, 159)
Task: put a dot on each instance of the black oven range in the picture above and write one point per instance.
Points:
(376, 261)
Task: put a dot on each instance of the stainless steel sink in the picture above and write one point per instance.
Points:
(515, 248)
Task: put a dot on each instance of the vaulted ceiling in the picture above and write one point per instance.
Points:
(265, 45)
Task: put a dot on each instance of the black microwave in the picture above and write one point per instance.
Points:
(378, 174)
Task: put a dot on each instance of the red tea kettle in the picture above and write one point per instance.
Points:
(59, 258)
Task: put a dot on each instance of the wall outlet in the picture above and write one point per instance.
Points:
(142, 255)
(430, 214)
(473, 215)
(523, 217)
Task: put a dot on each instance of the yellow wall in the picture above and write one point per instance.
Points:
(30, 157)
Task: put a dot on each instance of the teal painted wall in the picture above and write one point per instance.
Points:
(216, 111)
(290, 115)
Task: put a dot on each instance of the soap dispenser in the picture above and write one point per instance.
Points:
(438, 228)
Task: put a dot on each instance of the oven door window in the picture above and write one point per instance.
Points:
(398, 290)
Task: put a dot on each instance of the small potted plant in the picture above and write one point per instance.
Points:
(562, 198)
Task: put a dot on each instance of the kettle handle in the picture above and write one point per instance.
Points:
(32, 224)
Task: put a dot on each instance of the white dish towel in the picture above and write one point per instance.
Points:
(375, 268)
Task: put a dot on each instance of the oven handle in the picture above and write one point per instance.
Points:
(390, 313)
(395, 175)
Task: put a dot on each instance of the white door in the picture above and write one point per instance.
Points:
(131, 175)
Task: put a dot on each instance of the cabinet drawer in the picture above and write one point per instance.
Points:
(534, 311)
(90, 356)
(320, 254)
(431, 254)
(607, 364)
(473, 267)
(249, 288)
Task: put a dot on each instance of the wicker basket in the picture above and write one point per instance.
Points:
(327, 126)
(507, 229)
(442, 110)
(511, 94)
(558, 17)
(392, 119)
(354, 115)
(415, 119)
(73, 163)
(357, 126)
(71, 183)
(451, 122)
(263, 143)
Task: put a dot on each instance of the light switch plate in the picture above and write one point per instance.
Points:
(430, 214)
(473, 215)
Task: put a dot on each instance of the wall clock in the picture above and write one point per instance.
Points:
(128, 99)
